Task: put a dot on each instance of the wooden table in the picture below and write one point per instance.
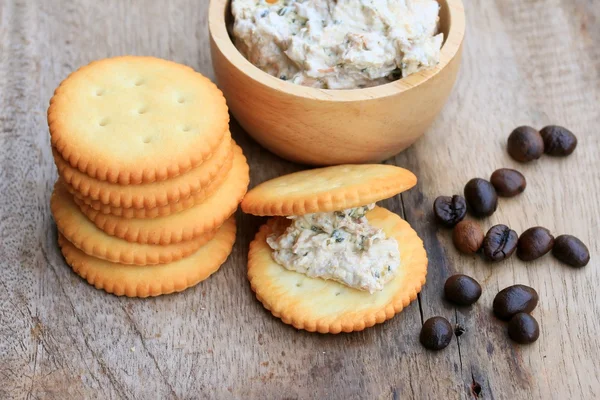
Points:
(526, 62)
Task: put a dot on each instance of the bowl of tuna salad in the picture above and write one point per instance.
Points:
(327, 82)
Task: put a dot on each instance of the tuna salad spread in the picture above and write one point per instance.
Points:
(340, 246)
(338, 44)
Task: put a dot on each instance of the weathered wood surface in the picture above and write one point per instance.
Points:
(526, 62)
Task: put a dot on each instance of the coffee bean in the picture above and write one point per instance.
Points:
(523, 328)
(499, 243)
(525, 144)
(436, 333)
(571, 251)
(508, 182)
(534, 243)
(513, 300)
(450, 210)
(462, 290)
(467, 236)
(481, 197)
(558, 141)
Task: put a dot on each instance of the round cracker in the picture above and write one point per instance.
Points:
(84, 235)
(184, 225)
(326, 306)
(327, 189)
(134, 119)
(152, 280)
(148, 195)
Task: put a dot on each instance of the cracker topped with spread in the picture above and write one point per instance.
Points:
(336, 262)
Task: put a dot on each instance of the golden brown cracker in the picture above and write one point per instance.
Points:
(135, 119)
(327, 189)
(326, 306)
(184, 225)
(80, 231)
(162, 211)
(147, 195)
(152, 280)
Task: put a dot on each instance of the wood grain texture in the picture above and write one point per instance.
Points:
(525, 62)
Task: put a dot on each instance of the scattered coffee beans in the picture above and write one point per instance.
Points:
(534, 243)
(436, 333)
(462, 290)
(513, 303)
(481, 197)
(467, 237)
(525, 144)
(508, 182)
(523, 328)
(499, 243)
(450, 210)
(571, 251)
(558, 141)
(513, 300)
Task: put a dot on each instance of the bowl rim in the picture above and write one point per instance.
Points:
(450, 49)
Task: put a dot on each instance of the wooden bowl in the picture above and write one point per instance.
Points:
(326, 127)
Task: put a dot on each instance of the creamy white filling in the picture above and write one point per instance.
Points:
(338, 44)
(340, 246)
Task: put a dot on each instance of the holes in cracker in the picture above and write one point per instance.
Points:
(186, 128)
(147, 139)
(139, 82)
(180, 100)
(338, 293)
(298, 284)
(99, 92)
(142, 110)
(103, 122)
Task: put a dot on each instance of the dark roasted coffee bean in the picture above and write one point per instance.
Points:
(513, 300)
(499, 243)
(571, 251)
(508, 182)
(558, 141)
(523, 328)
(467, 236)
(450, 210)
(462, 290)
(436, 333)
(525, 144)
(534, 243)
(481, 197)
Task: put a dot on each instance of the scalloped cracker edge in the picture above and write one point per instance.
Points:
(162, 211)
(327, 189)
(148, 195)
(326, 306)
(184, 225)
(84, 235)
(152, 280)
(134, 119)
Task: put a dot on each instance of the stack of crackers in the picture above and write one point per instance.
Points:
(149, 176)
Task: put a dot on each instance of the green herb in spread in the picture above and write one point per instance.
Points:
(341, 246)
(338, 44)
